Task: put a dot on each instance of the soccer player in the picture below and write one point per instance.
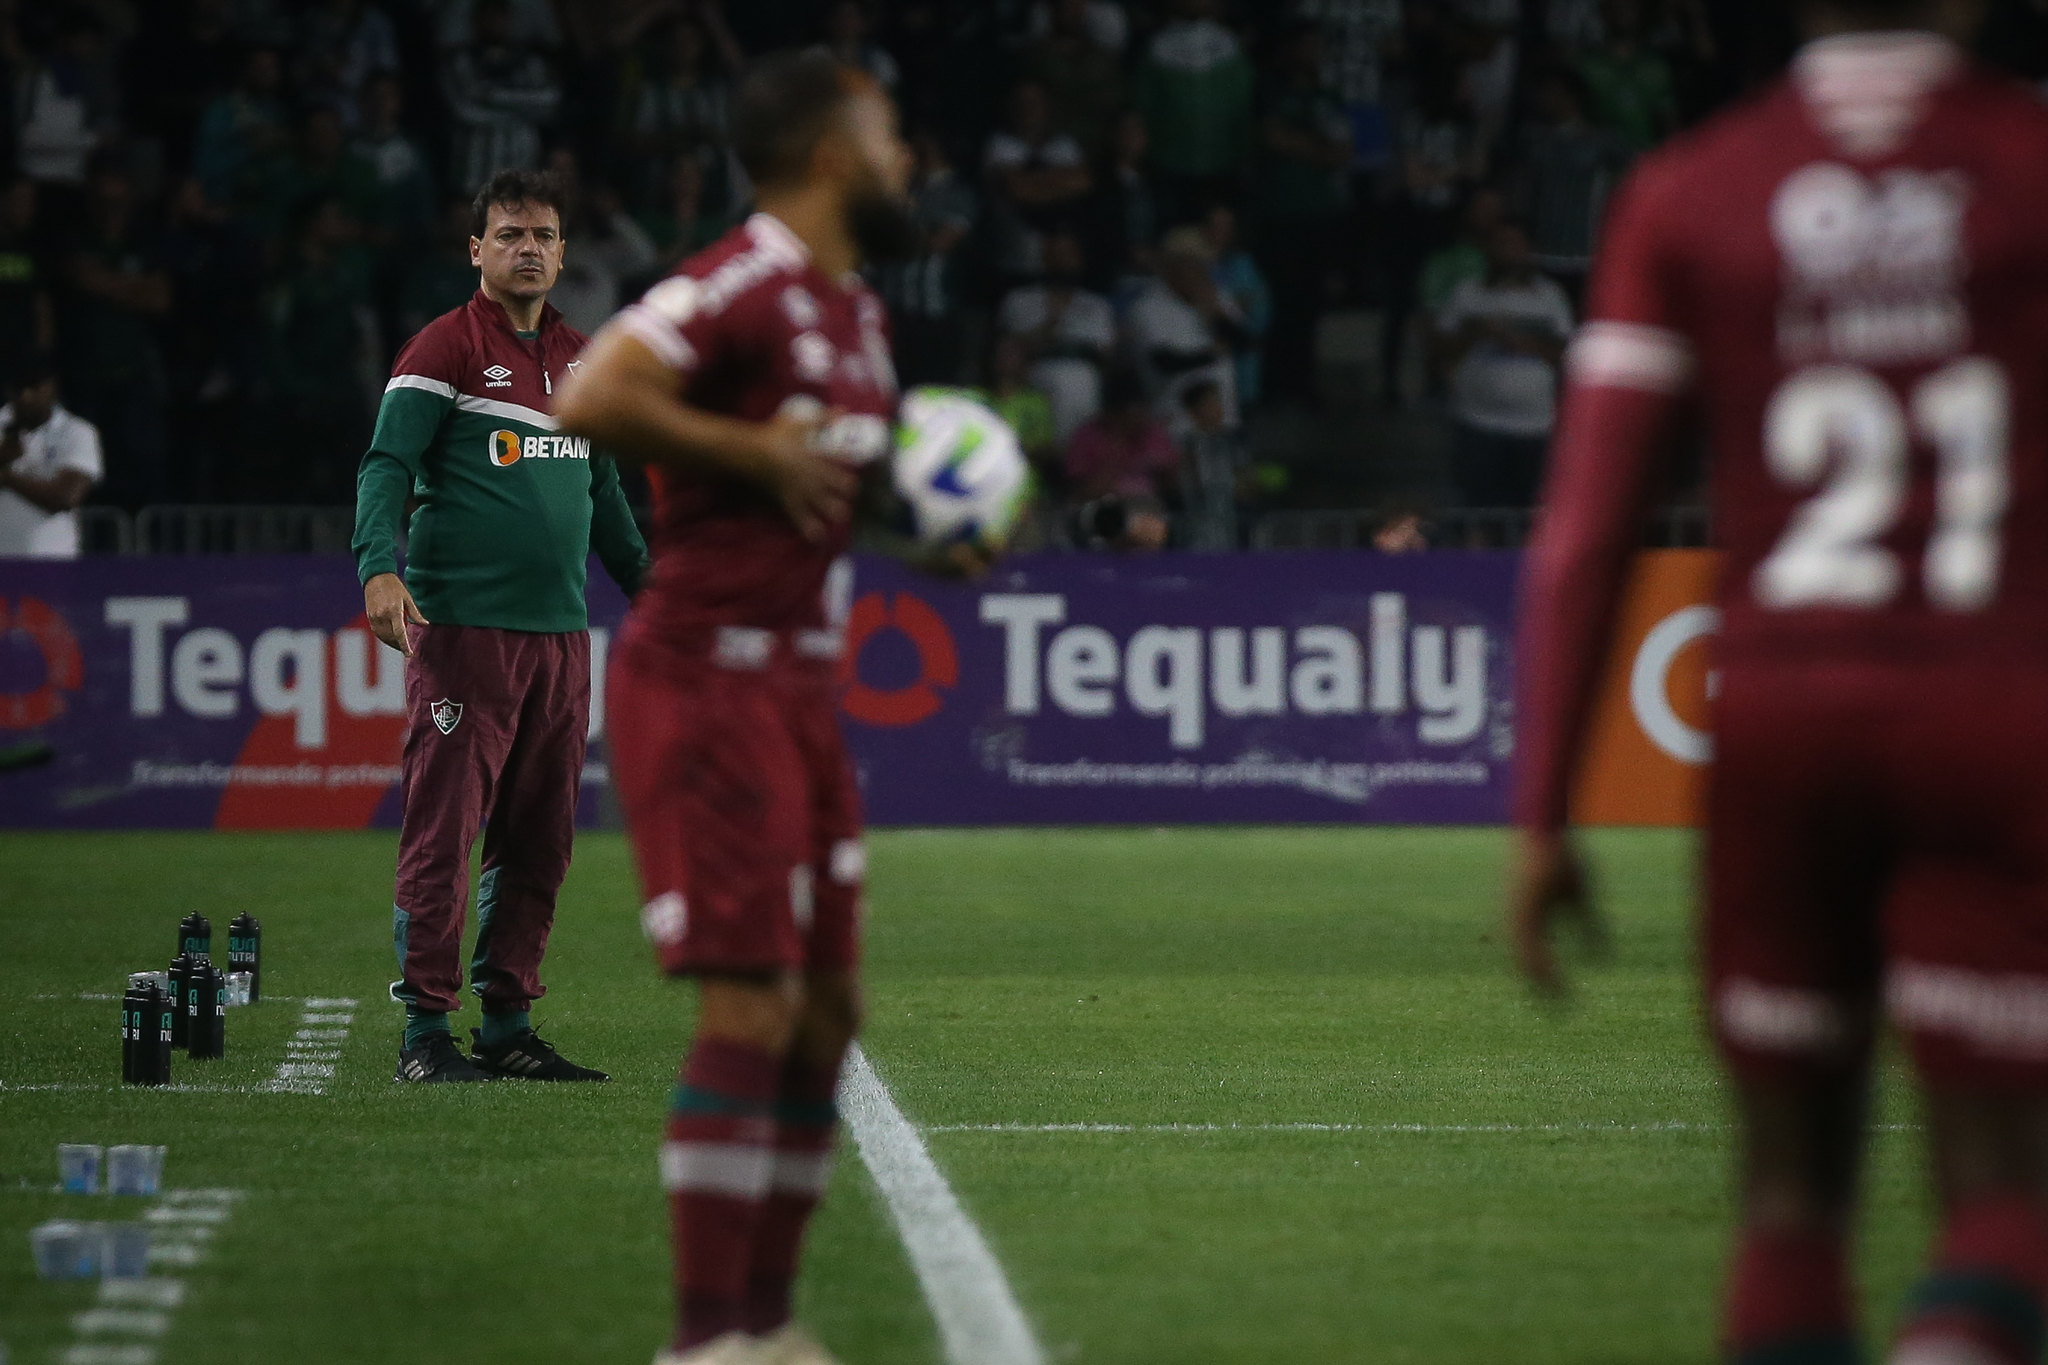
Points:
(753, 382)
(1848, 277)
(491, 617)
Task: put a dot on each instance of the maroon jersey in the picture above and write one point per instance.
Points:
(1851, 274)
(756, 329)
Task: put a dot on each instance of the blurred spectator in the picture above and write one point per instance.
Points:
(213, 339)
(68, 103)
(443, 278)
(1083, 80)
(1105, 22)
(321, 166)
(402, 210)
(1403, 529)
(1503, 340)
(846, 36)
(1120, 466)
(501, 91)
(1067, 332)
(1358, 34)
(242, 131)
(602, 248)
(528, 23)
(1486, 80)
(1215, 472)
(1633, 92)
(1126, 212)
(1195, 91)
(49, 462)
(1015, 401)
(1464, 257)
(681, 105)
(1037, 177)
(1304, 195)
(1239, 280)
(1441, 159)
(1184, 330)
(321, 360)
(342, 44)
(1563, 169)
(27, 323)
(686, 222)
(117, 293)
(924, 292)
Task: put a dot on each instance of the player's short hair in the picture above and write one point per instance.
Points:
(510, 189)
(785, 104)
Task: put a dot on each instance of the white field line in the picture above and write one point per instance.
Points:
(131, 1316)
(312, 1053)
(978, 1318)
(1424, 1129)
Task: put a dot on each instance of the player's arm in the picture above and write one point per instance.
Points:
(613, 534)
(408, 418)
(1627, 374)
(628, 398)
(63, 490)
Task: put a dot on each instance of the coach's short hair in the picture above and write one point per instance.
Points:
(785, 104)
(510, 189)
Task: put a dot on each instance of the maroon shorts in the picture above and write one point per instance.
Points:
(743, 810)
(1878, 843)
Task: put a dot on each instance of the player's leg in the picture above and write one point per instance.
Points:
(807, 1115)
(527, 845)
(714, 802)
(1967, 936)
(1795, 876)
(458, 729)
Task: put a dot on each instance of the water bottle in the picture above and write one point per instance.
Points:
(181, 978)
(206, 1021)
(153, 1056)
(195, 935)
(245, 951)
(136, 1017)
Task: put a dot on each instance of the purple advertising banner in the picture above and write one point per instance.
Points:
(248, 692)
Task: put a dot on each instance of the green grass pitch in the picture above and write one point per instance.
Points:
(1521, 1186)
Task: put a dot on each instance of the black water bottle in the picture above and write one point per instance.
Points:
(153, 1058)
(181, 977)
(245, 951)
(136, 1017)
(195, 935)
(206, 1023)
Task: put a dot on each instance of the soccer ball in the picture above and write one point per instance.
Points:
(959, 474)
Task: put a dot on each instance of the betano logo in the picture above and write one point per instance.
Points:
(509, 448)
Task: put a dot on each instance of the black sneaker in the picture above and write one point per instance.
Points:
(527, 1056)
(436, 1058)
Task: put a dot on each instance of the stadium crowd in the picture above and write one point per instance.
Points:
(1144, 221)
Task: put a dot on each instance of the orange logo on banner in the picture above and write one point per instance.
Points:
(1651, 741)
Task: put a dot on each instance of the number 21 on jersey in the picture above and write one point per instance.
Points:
(1844, 429)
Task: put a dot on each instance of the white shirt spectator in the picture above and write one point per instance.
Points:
(594, 268)
(1162, 320)
(1497, 390)
(64, 442)
(1069, 371)
(1020, 250)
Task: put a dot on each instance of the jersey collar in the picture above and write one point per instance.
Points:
(487, 308)
(1868, 90)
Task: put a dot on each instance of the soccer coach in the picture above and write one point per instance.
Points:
(492, 619)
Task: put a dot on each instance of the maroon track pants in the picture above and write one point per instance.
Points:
(494, 734)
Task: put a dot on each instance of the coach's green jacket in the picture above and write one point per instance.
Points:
(509, 508)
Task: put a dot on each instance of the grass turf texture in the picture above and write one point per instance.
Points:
(1246, 977)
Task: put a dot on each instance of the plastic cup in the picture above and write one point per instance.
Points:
(126, 1252)
(239, 984)
(66, 1250)
(78, 1167)
(133, 1169)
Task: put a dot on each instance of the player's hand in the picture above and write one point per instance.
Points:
(1548, 888)
(390, 607)
(815, 489)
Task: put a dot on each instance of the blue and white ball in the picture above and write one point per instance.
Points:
(958, 471)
